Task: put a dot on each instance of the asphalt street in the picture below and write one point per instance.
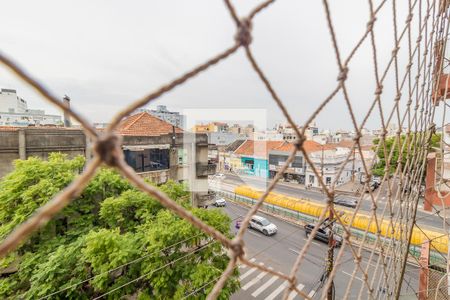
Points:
(424, 219)
(280, 251)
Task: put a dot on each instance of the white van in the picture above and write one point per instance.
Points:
(263, 225)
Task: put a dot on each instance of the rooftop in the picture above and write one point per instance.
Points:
(309, 146)
(234, 145)
(144, 124)
(257, 148)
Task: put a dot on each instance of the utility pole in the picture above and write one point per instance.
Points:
(330, 260)
(321, 166)
(353, 165)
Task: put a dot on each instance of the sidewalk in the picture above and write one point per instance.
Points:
(349, 188)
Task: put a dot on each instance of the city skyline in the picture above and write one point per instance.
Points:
(104, 67)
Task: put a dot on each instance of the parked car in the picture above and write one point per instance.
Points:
(371, 187)
(263, 225)
(220, 202)
(219, 176)
(323, 234)
(346, 202)
(376, 179)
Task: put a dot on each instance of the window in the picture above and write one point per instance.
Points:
(298, 162)
(277, 159)
(182, 156)
(311, 178)
(249, 163)
(264, 222)
(327, 180)
(148, 159)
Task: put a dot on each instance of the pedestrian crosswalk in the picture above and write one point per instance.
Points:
(263, 285)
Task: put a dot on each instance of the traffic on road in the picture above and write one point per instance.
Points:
(279, 252)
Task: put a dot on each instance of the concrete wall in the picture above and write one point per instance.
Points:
(432, 198)
(21, 143)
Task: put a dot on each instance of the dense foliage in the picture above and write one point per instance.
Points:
(406, 147)
(111, 235)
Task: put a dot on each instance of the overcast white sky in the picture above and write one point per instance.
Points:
(104, 53)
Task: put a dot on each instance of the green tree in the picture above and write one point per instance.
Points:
(108, 237)
(406, 147)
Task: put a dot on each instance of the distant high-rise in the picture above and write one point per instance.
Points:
(161, 112)
(14, 111)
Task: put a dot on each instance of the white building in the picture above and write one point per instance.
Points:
(224, 138)
(321, 138)
(14, 112)
(328, 163)
(268, 135)
(161, 112)
(327, 159)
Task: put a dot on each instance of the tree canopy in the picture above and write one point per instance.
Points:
(405, 147)
(112, 239)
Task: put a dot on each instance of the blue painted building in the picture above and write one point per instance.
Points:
(255, 166)
(253, 157)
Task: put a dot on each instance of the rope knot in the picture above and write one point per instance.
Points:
(108, 149)
(370, 24)
(419, 39)
(237, 248)
(343, 75)
(379, 90)
(244, 36)
(299, 142)
(409, 18)
(395, 51)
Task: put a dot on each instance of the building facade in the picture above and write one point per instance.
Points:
(327, 159)
(268, 135)
(155, 149)
(161, 112)
(223, 138)
(14, 111)
(251, 158)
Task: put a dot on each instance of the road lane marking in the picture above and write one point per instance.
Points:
(243, 266)
(312, 293)
(254, 233)
(294, 293)
(255, 280)
(249, 272)
(370, 264)
(277, 291)
(315, 243)
(265, 286)
(348, 274)
(295, 251)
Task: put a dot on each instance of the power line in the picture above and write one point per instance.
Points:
(202, 287)
(124, 265)
(121, 266)
(155, 270)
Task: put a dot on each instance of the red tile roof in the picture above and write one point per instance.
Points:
(257, 148)
(309, 146)
(144, 124)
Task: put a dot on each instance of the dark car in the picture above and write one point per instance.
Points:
(322, 235)
(346, 202)
(372, 186)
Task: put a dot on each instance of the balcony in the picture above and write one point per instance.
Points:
(158, 177)
(205, 169)
(206, 199)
